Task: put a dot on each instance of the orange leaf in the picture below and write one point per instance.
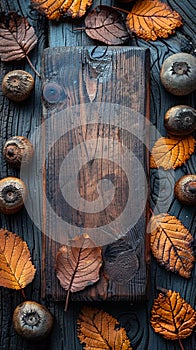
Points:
(171, 152)
(150, 19)
(78, 264)
(16, 268)
(56, 9)
(171, 244)
(172, 316)
(98, 330)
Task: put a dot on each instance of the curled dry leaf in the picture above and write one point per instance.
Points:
(78, 264)
(171, 244)
(172, 316)
(99, 330)
(16, 268)
(106, 25)
(171, 152)
(18, 37)
(151, 19)
(56, 9)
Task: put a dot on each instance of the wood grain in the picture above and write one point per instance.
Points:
(118, 78)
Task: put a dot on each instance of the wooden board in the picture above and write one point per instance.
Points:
(95, 108)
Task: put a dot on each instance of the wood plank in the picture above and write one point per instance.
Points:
(119, 79)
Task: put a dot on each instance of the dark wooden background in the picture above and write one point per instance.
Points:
(24, 118)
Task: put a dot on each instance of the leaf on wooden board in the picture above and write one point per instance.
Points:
(16, 268)
(54, 10)
(99, 330)
(171, 244)
(172, 316)
(171, 152)
(151, 19)
(124, 255)
(106, 25)
(78, 264)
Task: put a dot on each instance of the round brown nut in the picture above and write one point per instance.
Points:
(185, 190)
(178, 74)
(12, 195)
(32, 321)
(17, 150)
(180, 120)
(17, 85)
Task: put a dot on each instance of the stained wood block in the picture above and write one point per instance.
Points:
(95, 135)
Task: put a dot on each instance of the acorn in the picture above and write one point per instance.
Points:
(32, 321)
(178, 74)
(12, 195)
(17, 150)
(185, 190)
(17, 85)
(180, 120)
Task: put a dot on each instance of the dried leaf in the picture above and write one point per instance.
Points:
(172, 316)
(122, 254)
(171, 244)
(106, 25)
(150, 19)
(98, 330)
(171, 152)
(56, 9)
(16, 268)
(78, 264)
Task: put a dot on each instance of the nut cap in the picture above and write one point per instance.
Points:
(178, 74)
(12, 195)
(17, 85)
(17, 150)
(32, 321)
(185, 190)
(180, 120)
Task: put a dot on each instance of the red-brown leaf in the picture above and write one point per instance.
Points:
(17, 36)
(106, 25)
(78, 264)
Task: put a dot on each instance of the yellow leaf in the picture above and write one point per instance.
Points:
(150, 19)
(99, 330)
(171, 152)
(172, 316)
(171, 244)
(56, 9)
(16, 268)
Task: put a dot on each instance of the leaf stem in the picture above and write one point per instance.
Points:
(23, 294)
(119, 9)
(82, 28)
(32, 66)
(67, 300)
(181, 346)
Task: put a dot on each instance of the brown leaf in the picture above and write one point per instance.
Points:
(16, 268)
(106, 25)
(172, 316)
(171, 244)
(150, 19)
(56, 9)
(78, 264)
(18, 38)
(171, 152)
(98, 330)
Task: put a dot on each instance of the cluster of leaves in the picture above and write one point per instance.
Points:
(148, 19)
